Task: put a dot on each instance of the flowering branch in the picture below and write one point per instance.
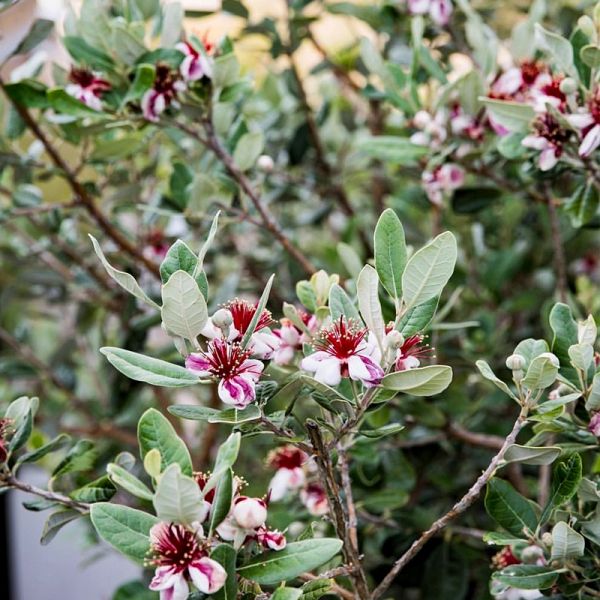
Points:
(461, 506)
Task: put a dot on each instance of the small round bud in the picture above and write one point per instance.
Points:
(515, 362)
(586, 25)
(421, 119)
(265, 163)
(250, 513)
(547, 539)
(394, 339)
(532, 554)
(551, 357)
(568, 86)
(222, 319)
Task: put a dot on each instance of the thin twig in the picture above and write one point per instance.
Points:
(461, 506)
(557, 245)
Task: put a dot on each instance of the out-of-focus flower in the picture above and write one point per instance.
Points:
(313, 496)
(271, 538)
(438, 10)
(432, 128)
(594, 426)
(87, 87)
(588, 121)
(288, 462)
(291, 338)
(232, 366)
(162, 94)
(504, 558)
(343, 351)
(549, 138)
(441, 181)
(411, 352)
(197, 63)
(180, 555)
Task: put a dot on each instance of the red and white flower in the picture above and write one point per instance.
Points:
(588, 121)
(549, 138)
(289, 461)
(313, 496)
(438, 10)
(232, 366)
(432, 128)
(162, 94)
(411, 352)
(197, 64)
(343, 351)
(271, 538)
(180, 557)
(442, 181)
(291, 338)
(87, 87)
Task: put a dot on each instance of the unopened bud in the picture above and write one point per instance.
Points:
(586, 25)
(515, 362)
(532, 554)
(222, 319)
(394, 339)
(551, 357)
(265, 163)
(568, 86)
(547, 539)
(250, 513)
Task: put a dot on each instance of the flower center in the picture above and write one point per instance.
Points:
(225, 359)
(242, 313)
(287, 457)
(174, 546)
(548, 127)
(342, 340)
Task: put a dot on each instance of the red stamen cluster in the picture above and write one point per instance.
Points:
(530, 70)
(594, 105)
(342, 339)
(164, 81)
(87, 79)
(548, 127)
(225, 359)
(504, 558)
(552, 89)
(286, 457)
(174, 546)
(413, 346)
(202, 480)
(242, 313)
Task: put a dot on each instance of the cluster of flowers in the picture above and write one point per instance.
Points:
(438, 10)
(294, 472)
(506, 557)
(89, 87)
(180, 554)
(343, 350)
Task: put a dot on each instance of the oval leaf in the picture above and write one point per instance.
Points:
(422, 381)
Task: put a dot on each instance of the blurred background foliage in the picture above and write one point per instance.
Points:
(308, 85)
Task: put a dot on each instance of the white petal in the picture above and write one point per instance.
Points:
(590, 142)
(548, 159)
(329, 371)
(581, 120)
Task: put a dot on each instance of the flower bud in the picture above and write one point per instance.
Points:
(568, 86)
(532, 555)
(265, 163)
(515, 362)
(394, 339)
(222, 319)
(547, 539)
(250, 513)
(551, 357)
(586, 25)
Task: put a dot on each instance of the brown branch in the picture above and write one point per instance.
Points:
(461, 506)
(333, 573)
(81, 194)
(44, 208)
(17, 484)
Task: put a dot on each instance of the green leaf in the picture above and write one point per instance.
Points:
(509, 509)
(565, 481)
(593, 400)
(590, 55)
(582, 206)
(129, 482)
(367, 289)
(89, 55)
(29, 93)
(559, 48)
(155, 432)
(531, 455)
(179, 257)
(125, 280)
(226, 457)
(429, 269)
(124, 528)
(248, 149)
(512, 115)
(178, 498)
(226, 70)
(57, 443)
(38, 32)
(262, 303)
(192, 412)
(390, 252)
(542, 373)
(184, 311)
(422, 381)
(226, 556)
(582, 356)
(235, 416)
(81, 457)
(142, 82)
(416, 319)
(566, 543)
(487, 372)
(527, 577)
(271, 568)
(55, 522)
(207, 243)
(396, 150)
(100, 490)
(65, 104)
(221, 504)
(286, 593)
(147, 369)
(172, 24)
(341, 305)
(564, 327)
(313, 590)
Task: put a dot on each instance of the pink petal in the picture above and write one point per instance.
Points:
(208, 575)
(199, 364)
(590, 142)
(329, 371)
(548, 159)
